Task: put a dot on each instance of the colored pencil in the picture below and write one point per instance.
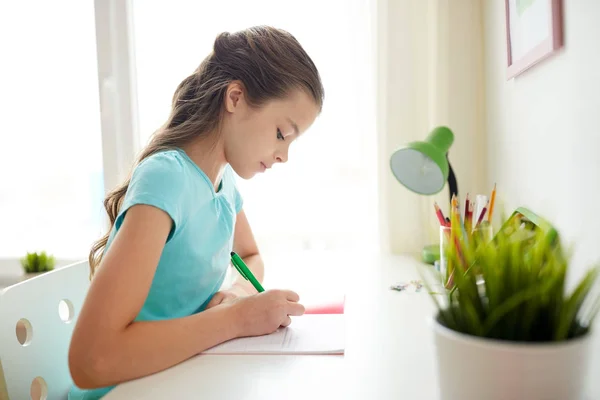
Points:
(440, 214)
(492, 201)
(482, 215)
(469, 217)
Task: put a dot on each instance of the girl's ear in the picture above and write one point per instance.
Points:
(234, 96)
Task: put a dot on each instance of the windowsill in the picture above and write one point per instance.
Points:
(11, 271)
(316, 272)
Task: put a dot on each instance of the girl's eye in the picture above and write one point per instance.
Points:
(280, 135)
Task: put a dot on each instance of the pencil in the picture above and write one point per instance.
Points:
(455, 208)
(469, 218)
(439, 214)
(482, 215)
(492, 201)
(453, 241)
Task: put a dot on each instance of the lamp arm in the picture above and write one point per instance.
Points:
(452, 185)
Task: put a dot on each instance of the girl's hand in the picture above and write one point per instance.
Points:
(263, 313)
(223, 296)
(227, 295)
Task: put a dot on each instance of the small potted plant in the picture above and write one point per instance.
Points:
(507, 327)
(36, 263)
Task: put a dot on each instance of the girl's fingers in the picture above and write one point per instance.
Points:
(216, 300)
(295, 309)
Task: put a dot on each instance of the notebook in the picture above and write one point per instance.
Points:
(307, 334)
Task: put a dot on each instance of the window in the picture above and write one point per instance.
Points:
(325, 196)
(55, 157)
(51, 176)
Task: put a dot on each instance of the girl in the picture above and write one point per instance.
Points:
(153, 301)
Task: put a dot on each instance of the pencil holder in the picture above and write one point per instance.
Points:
(482, 234)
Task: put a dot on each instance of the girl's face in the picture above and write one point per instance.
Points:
(256, 139)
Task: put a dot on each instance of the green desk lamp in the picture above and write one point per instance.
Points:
(424, 168)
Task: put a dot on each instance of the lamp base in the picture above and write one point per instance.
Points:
(430, 254)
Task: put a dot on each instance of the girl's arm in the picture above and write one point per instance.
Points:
(245, 246)
(108, 347)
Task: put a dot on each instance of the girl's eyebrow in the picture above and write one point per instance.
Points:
(296, 130)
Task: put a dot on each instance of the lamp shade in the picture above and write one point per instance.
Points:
(423, 167)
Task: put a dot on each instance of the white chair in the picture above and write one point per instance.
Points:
(40, 313)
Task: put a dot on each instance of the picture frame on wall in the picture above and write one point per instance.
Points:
(534, 32)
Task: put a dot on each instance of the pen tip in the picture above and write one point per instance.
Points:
(233, 253)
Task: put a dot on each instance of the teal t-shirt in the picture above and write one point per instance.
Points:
(196, 256)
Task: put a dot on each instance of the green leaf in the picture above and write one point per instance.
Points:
(37, 262)
(573, 304)
(523, 296)
(595, 309)
(512, 302)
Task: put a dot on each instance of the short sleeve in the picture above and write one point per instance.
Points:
(157, 181)
(238, 201)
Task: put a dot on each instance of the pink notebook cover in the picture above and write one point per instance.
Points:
(331, 307)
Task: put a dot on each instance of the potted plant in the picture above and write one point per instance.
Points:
(36, 263)
(507, 327)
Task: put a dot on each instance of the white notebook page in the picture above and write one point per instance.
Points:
(308, 334)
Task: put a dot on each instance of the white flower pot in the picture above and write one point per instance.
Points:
(473, 368)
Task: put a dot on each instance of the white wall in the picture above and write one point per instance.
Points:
(544, 128)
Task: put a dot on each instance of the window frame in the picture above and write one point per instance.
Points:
(117, 89)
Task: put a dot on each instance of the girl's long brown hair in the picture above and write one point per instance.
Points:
(269, 62)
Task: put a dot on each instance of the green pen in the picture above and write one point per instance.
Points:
(239, 264)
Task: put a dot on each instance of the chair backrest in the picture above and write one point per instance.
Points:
(37, 317)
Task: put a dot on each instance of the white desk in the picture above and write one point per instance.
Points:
(389, 350)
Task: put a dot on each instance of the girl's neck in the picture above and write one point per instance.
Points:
(209, 156)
